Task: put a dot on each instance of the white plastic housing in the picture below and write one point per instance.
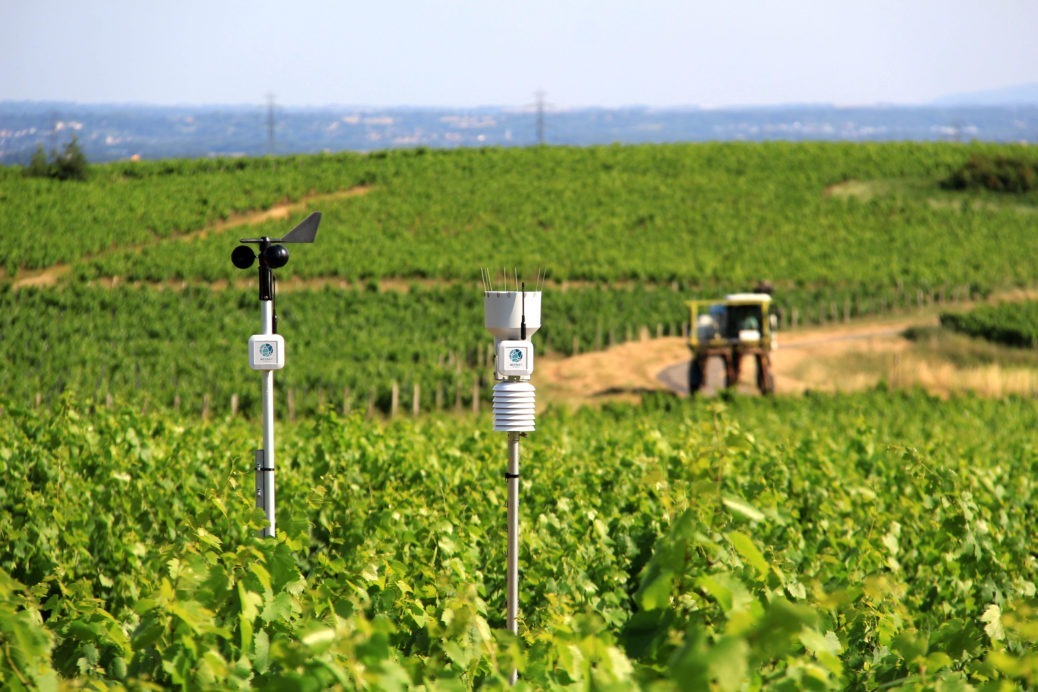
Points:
(266, 351)
(503, 312)
(514, 359)
(514, 407)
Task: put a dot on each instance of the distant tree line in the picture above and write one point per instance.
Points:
(67, 164)
(997, 173)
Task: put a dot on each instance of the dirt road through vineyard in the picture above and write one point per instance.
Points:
(822, 358)
(50, 275)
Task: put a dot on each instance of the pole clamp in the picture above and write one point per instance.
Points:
(511, 475)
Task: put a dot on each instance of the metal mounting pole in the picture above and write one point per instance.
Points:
(513, 317)
(512, 569)
(265, 460)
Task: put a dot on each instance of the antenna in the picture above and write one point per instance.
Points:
(522, 324)
(513, 317)
(267, 349)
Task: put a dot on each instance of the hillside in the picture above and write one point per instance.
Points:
(625, 235)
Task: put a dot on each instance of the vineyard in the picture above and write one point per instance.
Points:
(874, 540)
(346, 347)
(811, 543)
(625, 234)
(1012, 324)
(706, 215)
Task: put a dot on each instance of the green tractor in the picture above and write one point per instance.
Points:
(742, 324)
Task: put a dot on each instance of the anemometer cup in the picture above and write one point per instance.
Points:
(243, 257)
(271, 256)
(274, 256)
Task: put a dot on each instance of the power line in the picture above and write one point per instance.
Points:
(541, 106)
(270, 124)
(540, 117)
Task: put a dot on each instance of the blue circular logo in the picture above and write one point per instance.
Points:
(516, 356)
(266, 350)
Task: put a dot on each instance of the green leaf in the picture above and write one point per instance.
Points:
(261, 652)
(207, 538)
(646, 631)
(249, 604)
(262, 575)
(744, 545)
(719, 587)
(278, 609)
(728, 663)
(319, 639)
(826, 648)
(193, 614)
(992, 618)
(816, 642)
(27, 645)
(743, 508)
(655, 592)
(460, 657)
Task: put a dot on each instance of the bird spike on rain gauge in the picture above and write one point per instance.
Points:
(267, 349)
(512, 317)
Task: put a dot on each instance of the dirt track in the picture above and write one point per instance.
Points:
(50, 275)
(804, 360)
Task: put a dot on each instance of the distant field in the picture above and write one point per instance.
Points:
(625, 235)
(706, 215)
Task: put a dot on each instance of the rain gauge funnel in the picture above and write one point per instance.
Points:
(503, 313)
(513, 317)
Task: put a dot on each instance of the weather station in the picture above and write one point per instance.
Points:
(512, 317)
(267, 348)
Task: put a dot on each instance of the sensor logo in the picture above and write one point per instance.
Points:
(515, 356)
(266, 350)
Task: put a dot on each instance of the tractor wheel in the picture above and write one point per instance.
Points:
(695, 377)
(731, 370)
(765, 379)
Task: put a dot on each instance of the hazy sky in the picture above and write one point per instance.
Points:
(497, 52)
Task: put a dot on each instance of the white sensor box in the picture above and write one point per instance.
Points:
(266, 351)
(514, 359)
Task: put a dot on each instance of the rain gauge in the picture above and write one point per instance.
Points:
(512, 317)
(267, 349)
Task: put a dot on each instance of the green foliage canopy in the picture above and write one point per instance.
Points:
(68, 164)
(1012, 324)
(999, 173)
(828, 542)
